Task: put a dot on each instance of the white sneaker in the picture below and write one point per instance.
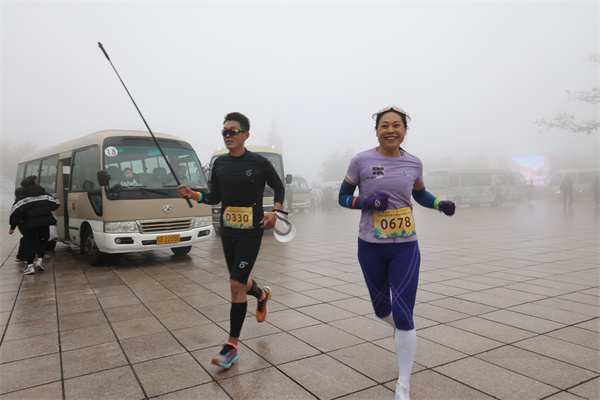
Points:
(39, 266)
(29, 270)
(402, 391)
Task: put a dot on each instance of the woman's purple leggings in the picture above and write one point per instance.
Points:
(391, 267)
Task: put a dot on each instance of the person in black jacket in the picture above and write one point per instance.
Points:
(238, 181)
(32, 212)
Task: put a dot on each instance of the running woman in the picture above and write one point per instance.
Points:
(238, 181)
(388, 251)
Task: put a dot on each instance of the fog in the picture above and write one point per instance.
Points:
(474, 76)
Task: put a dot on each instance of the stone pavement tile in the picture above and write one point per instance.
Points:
(148, 347)
(584, 298)
(571, 306)
(182, 319)
(249, 361)
(171, 373)
(564, 396)
(421, 323)
(438, 314)
(550, 313)
(353, 289)
(495, 381)
(32, 328)
(118, 301)
(291, 319)
(370, 360)
(377, 392)
(423, 296)
(522, 321)
(463, 306)
(543, 369)
(582, 337)
(325, 337)
(588, 390)
(492, 330)
(325, 312)
(536, 289)
(326, 377)
(326, 294)
(117, 383)
(81, 320)
(65, 296)
(443, 288)
(92, 359)
(252, 328)
(220, 313)
(29, 347)
(280, 348)
(202, 336)
(365, 328)
(571, 353)
(293, 300)
(127, 313)
(79, 306)
(592, 325)
(167, 306)
(116, 289)
(209, 390)
(205, 300)
(464, 284)
(458, 339)
(431, 354)
(88, 336)
(158, 294)
(28, 373)
(357, 305)
(551, 283)
(137, 327)
(33, 313)
(430, 385)
(51, 391)
(265, 384)
(295, 286)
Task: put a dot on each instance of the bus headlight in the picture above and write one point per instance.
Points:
(202, 221)
(121, 227)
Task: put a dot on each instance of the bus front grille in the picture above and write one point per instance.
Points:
(166, 225)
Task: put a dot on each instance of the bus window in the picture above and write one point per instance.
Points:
(47, 175)
(454, 182)
(86, 165)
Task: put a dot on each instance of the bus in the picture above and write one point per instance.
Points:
(300, 193)
(582, 182)
(475, 186)
(270, 153)
(102, 213)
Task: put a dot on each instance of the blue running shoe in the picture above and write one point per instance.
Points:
(226, 357)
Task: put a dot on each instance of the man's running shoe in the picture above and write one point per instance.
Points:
(39, 266)
(261, 306)
(227, 357)
(30, 270)
(20, 260)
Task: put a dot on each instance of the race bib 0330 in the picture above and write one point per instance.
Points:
(238, 217)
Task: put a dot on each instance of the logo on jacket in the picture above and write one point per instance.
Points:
(248, 172)
(243, 264)
(377, 172)
(168, 208)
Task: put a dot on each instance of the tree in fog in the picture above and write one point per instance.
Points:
(568, 122)
(335, 165)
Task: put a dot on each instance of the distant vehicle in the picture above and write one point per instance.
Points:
(582, 182)
(301, 193)
(270, 153)
(100, 213)
(473, 186)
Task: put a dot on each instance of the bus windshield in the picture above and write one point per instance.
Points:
(134, 166)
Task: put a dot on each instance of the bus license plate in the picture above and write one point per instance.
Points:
(166, 239)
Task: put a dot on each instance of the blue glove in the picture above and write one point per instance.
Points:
(378, 202)
(447, 207)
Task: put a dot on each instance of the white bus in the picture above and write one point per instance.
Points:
(300, 193)
(270, 153)
(475, 186)
(582, 182)
(102, 213)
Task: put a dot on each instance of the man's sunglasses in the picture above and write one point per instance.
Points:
(231, 132)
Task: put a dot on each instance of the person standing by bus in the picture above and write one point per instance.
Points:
(32, 212)
(388, 250)
(238, 181)
(566, 188)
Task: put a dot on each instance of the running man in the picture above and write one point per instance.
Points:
(238, 181)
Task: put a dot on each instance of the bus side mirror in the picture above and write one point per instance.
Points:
(288, 179)
(103, 177)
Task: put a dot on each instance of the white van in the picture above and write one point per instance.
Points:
(300, 193)
(582, 182)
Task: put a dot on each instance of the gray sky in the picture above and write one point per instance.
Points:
(474, 76)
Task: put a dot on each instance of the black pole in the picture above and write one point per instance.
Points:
(144, 119)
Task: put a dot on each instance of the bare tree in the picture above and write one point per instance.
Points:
(568, 122)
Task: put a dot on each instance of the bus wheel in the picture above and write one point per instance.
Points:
(180, 251)
(92, 254)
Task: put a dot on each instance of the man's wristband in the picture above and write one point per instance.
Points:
(199, 197)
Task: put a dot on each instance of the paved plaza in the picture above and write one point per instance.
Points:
(507, 308)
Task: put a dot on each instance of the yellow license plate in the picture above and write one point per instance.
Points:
(166, 239)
